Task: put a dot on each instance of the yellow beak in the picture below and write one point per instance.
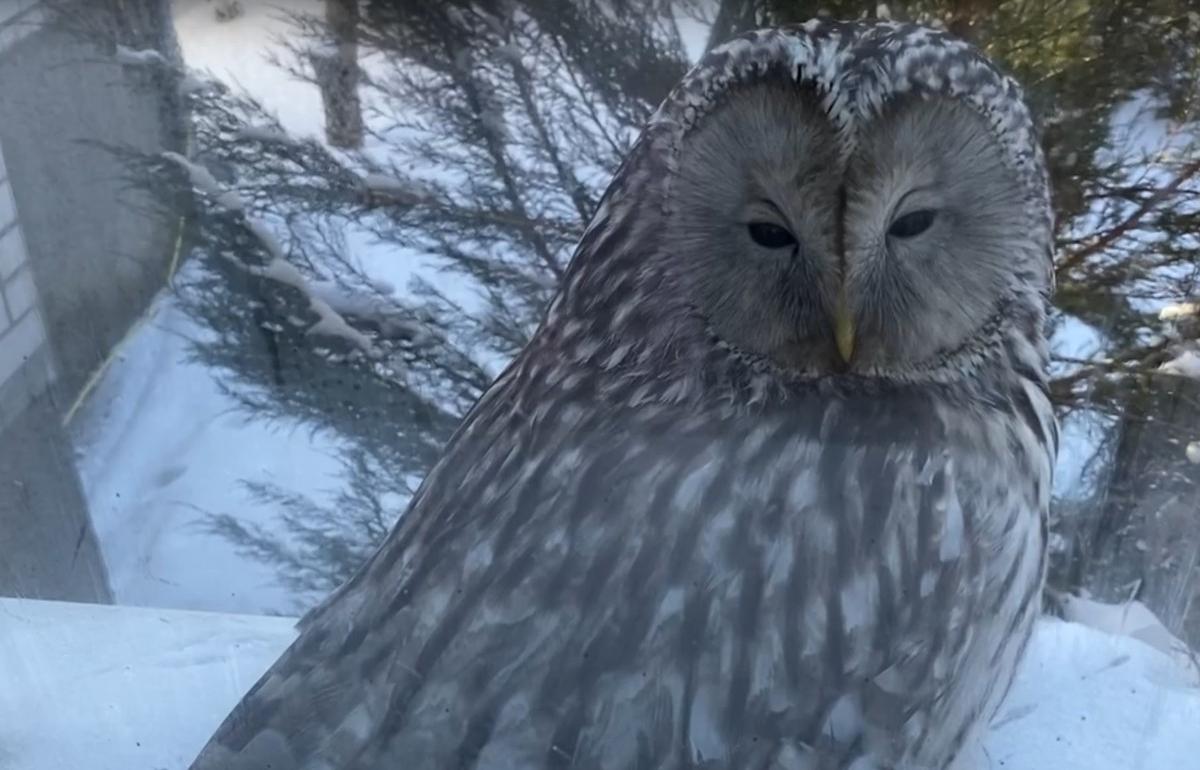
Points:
(843, 330)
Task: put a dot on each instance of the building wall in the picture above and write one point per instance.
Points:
(47, 547)
(25, 368)
(22, 330)
(99, 247)
(81, 255)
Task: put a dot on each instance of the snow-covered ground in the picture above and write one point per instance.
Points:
(160, 447)
(237, 52)
(86, 686)
(107, 688)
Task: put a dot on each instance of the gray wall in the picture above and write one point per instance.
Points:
(81, 255)
(48, 549)
(99, 248)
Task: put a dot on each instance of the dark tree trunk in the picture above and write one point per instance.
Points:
(1142, 539)
(733, 18)
(338, 75)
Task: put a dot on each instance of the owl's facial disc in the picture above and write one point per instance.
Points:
(884, 263)
(934, 231)
(753, 216)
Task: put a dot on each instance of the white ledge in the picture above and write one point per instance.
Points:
(128, 688)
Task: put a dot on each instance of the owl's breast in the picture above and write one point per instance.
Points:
(864, 575)
(646, 588)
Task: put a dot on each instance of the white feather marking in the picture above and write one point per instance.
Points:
(670, 606)
(820, 533)
(357, 724)
(950, 545)
(705, 722)
(617, 356)
(792, 757)
(693, 486)
(860, 600)
(814, 621)
(845, 720)
(928, 583)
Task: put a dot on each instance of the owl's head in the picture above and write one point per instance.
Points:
(863, 197)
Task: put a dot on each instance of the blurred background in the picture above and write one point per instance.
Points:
(257, 259)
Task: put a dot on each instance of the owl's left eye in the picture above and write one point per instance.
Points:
(770, 236)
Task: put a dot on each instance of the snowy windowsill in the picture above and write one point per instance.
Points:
(127, 688)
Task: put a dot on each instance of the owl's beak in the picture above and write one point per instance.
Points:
(843, 329)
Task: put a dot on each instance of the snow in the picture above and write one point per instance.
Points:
(189, 82)
(141, 58)
(1175, 312)
(329, 322)
(159, 446)
(268, 134)
(367, 306)
(110, 688)
(1133, 619)
(382, 183)
(1186, 364)
(192, 83)
(1087, 700)
(693, 33)
(203, 180)
(238, 51)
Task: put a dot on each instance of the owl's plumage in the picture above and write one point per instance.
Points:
(680, 531)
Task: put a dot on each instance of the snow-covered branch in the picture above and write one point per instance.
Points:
(329, 322)
(203, 180)
(261, 133)
(187, 82)
(147, 57)
(1186, 364)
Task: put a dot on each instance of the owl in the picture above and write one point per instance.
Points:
(767, 488)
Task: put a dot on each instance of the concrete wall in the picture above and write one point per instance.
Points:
(47, 547)
(99, 247)
(81, 255)
(25, 368)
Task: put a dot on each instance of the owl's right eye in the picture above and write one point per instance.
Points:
(770, 236)
(912, 224)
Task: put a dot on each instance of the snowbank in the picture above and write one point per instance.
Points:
(122, 688)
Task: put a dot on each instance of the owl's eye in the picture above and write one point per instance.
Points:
(770, 236)
(912, 224)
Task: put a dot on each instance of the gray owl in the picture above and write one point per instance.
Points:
(768, 487)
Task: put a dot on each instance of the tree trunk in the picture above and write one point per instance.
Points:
(1143, 538)
(733, 18)
(338, 75)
